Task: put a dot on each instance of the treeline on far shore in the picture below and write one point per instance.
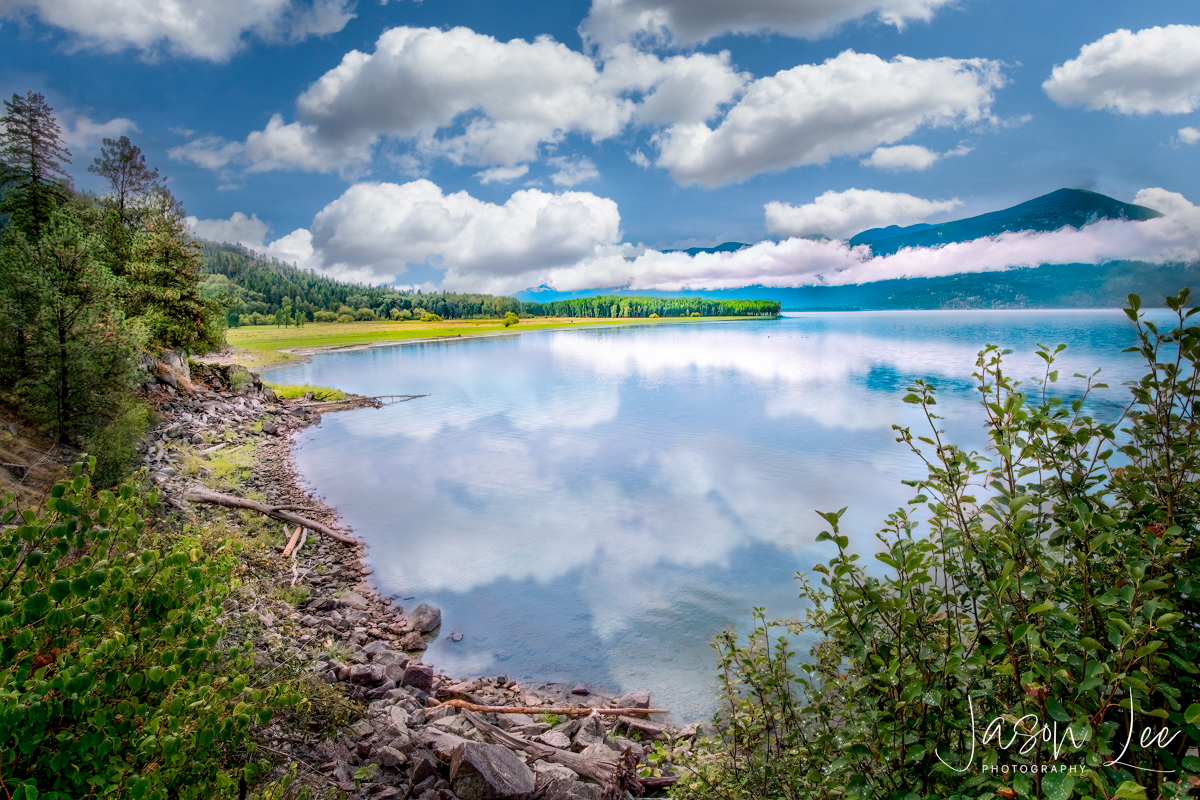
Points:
(255, 290)
(618, 306)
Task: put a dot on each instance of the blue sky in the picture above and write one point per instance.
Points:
(495, 146)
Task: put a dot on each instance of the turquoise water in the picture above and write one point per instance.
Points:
(595, 505)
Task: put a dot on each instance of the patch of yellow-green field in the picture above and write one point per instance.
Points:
(261, 345)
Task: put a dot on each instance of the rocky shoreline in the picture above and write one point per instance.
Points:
(315, 614)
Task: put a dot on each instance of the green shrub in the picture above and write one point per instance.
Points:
(346, 318)
(111, 679)
(430, 317)
(364, 315)
(653, 316)
(511, 319)
(325, 316)
(115, 444)
(1054, 596)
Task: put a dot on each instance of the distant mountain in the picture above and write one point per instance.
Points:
(1049, 212)
(726, 247)
(1046, 286)
(875, 234)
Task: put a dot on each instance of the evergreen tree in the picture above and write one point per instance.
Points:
(164, 289)
(33, 154)
(122, 164)
(78, 347)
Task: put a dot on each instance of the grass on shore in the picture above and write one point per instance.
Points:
(262, 345)
(292, 391)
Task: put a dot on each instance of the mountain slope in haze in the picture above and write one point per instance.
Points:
(1049, 212)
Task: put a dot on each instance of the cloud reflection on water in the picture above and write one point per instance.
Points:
(595, 505)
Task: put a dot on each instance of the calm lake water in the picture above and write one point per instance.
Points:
(595, 505)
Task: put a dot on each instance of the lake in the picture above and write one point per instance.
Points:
(595, 505)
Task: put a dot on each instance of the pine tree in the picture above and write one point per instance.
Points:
(122, 164)
(164, 280)
(78, 347)
(33, 153)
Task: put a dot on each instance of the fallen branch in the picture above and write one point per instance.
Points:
(614, 776)
(566, 711)
(200, 494)
(287, 551)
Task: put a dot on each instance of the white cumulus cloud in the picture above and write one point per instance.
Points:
(238, 229)
(81, 133)
(1189, 135)
(848, 105)
(502, 174)
(843, 214)
(476, 100)
(375, 230)
(1153, 70)
(205, 29)
(210, 152)
(572, 171)
(902, 158)
(689, 21)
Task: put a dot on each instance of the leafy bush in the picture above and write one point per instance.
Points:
(346, 318)
(511, 319)
(428, 317)
(325, 316)
(653, 316)
(364, 315)
(1053, 601)
(115, 444)
(111, 678)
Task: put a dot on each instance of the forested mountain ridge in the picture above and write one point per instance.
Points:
(254, 289)
(257, 290)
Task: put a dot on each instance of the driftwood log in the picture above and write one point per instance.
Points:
(287, 551)
(200, 494)
(565, 711)
(615, 776)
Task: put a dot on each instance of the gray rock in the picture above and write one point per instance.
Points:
(645, 727)
(366, 675)
(412, 641)
(425, 618)
(545, 772)
(591, 731)
(426, 767)
(509, 721)
(419, 676)
(579, 688)
(386, 657)
(489, 772)
(572, 790)
(634, 700)
(395, 671)
(555, 739)
(270, 427)
(175, 431)
(601, 751)
(362, 728)
(353, 600)
(389, 757)
(375, 648)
